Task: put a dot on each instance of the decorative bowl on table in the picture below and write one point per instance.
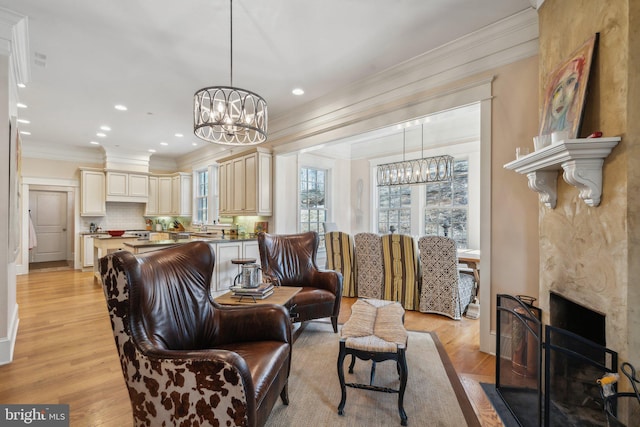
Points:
(116, 233)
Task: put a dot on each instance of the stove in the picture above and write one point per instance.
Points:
(141, 234)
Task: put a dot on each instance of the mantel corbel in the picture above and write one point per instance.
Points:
(581, 161)
(586, 176)
(545, 183)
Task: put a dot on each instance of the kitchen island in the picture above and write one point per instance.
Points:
(226, 248)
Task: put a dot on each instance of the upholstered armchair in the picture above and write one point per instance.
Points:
(185, 359)
(444, 289)
(290, 260)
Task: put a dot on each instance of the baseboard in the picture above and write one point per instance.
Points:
(7, 344)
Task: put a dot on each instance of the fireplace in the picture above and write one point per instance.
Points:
(546, 374)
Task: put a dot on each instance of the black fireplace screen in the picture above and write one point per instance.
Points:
(550, 381)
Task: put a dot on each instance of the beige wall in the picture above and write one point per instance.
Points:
(46, 168)
(514, 208)
(589, 254)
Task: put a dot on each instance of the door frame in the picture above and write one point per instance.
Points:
(71, 187)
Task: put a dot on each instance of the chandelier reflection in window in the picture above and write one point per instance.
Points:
(417, 171)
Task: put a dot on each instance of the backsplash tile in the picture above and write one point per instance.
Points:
(120, 216)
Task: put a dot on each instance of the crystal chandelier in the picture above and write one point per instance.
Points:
(418, 171)
(229, 115)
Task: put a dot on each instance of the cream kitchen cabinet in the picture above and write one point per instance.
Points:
(245, 184)
(92, 198)
(152, 200)
(164, 195)
(224, 271)
(127, 187)
(87, 249)
(181, 198)
(250, 250)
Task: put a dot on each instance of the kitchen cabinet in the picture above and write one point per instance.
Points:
(87, 249)
(127, 187)
(152, 200)
(250, 250)
(245, 184)
(181, 199)
(92, 197)
(164, 195)
(224, 271)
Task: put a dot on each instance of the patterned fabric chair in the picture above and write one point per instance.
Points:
(290, 260)
(340, 257)
(399, 259)
(369, 272)
(185, 359)
(444, 290)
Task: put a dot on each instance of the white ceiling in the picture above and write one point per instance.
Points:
(152, 55)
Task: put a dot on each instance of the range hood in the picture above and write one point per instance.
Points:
(116, 159)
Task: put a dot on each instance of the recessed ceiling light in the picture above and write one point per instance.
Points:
(22, 85)
(94, 142)
(101, 135)
(24, 132)
(105, 128)
(164, 143)
(298, 91)
(194, 143)
(151, 150)
(21, 105)
(179, 135)
(25, 121)
(120, 107)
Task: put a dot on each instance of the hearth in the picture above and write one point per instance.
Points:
(550, 379)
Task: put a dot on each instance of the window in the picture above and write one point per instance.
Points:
(394, 209)
(202, 196)
(447, 205)
(313, 206)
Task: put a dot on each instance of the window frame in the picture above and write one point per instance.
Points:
(326, 209)
(211, 197)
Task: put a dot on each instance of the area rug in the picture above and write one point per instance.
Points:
(434, 394)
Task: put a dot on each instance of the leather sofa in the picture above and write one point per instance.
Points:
(185, 359)
(290, 260)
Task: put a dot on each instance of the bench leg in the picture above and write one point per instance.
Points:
(352, 364)
(402, 367)
(343, 387)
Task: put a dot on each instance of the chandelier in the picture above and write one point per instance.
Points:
(418, 171)
(229, 115)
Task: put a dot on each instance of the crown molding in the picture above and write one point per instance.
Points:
(35, 150)
(504, 42)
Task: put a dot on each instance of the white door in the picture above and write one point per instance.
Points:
(48, 210)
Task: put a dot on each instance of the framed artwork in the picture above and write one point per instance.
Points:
(565, 92)
(261, 226)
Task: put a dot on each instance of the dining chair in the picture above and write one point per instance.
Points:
(340, 257)
(444, 290)
(400, 265)
(369, 271)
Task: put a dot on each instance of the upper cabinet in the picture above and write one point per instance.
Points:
(127, 187)
(245, 183)
(92, 186)
(169, 195)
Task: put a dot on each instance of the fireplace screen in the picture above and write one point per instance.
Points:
(550, 381)
(519, 358)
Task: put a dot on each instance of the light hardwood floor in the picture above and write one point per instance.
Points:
(65, 352)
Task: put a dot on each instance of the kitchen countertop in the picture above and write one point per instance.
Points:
(170, 242)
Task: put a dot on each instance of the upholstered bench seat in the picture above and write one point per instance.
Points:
(375, 331)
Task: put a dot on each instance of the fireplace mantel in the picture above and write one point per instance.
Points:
(580, 159)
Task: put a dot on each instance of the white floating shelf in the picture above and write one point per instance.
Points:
(580, 159)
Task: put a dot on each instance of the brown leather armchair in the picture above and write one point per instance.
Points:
(185, 359)
(290, 260)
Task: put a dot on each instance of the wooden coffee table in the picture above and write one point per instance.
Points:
(281, 296)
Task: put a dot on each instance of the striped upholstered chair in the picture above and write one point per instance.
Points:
(369, 272)
(444, 289)
(400, 264)
(340, 257)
